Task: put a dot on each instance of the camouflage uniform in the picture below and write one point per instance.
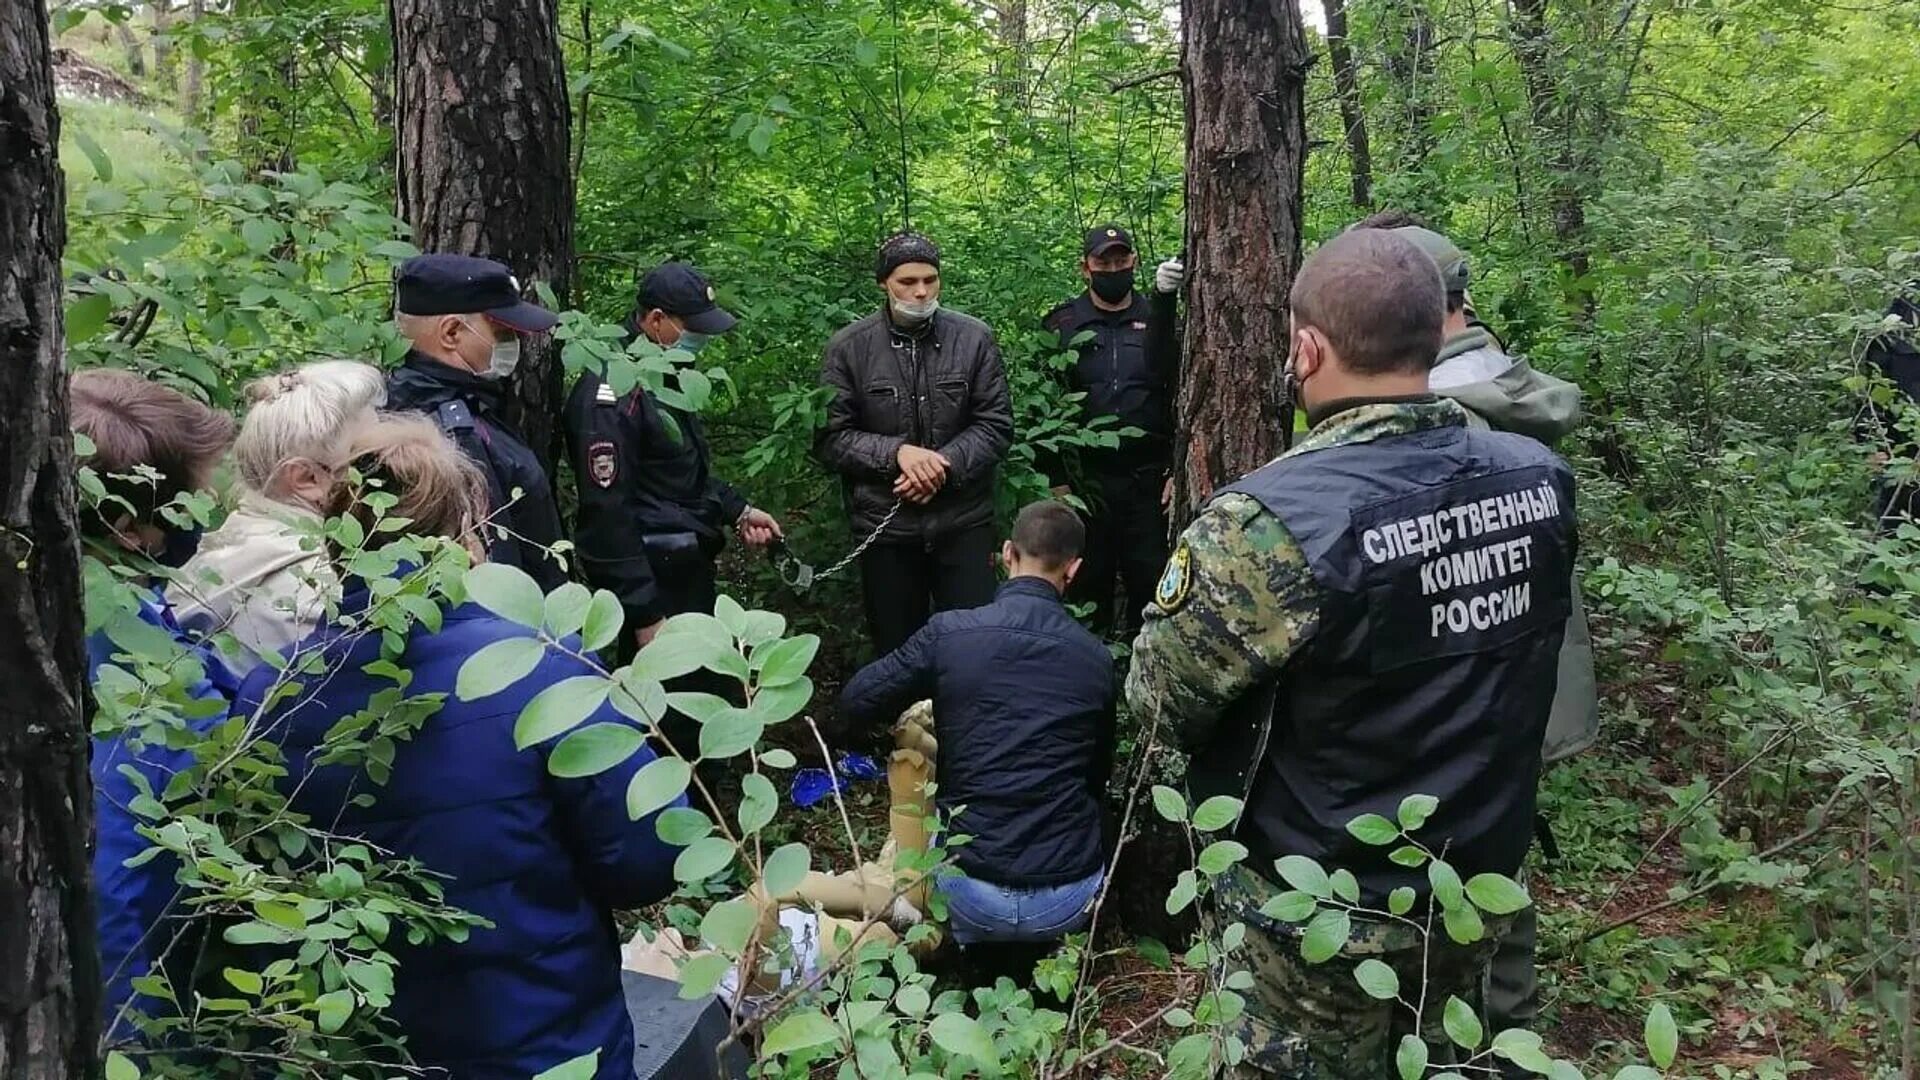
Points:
(1312, 1021)
(1237, 600)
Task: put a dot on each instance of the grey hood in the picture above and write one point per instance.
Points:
(1504, 391)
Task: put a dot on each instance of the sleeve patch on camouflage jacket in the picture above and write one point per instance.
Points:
(1176, 581)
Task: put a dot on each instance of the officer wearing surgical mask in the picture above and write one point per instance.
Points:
(464, 319)
(653, 516)
(1126, 367)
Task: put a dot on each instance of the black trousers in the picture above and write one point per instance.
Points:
(905, 583)
(1126, 543)
(687, 585)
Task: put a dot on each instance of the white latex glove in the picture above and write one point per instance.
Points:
(1169, 276)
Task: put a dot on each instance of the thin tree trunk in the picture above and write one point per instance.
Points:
(49, 964)
(136, 56)
(1245, 66)
(1011, 22)
(1554, 125)
(1412, 70)
(1353, 115)
(482, 128)
(196, 73)
(162, 16)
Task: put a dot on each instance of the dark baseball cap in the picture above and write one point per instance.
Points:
(464, 285)
(679, 290)
(1102, 237)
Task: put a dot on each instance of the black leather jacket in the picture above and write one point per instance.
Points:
(937, 386)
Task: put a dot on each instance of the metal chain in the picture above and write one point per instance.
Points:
(800, 574)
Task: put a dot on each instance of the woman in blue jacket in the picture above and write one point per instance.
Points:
(546, 860)
(151, 444)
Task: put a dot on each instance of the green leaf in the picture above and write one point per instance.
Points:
(1523, 1048)
(1219, 856)
(1304, 874)
(658, 783)
(963, 1036)
(803, 1030)
(86, 316)
(1407, 856)
(1400, 901)
(1290, 906)
(760, 139)
(730, 734)
(1186, 888)
(1415, 810)
(257, 933)
(913, 1000)
(638, 699)
(102, 164)
(1191, 1058)
(1411, 1058)
(1496, 894)
(778, 758)
(682, 825)
(777, 704)
(604, 616)
(1345, 885)
(1216, 813)
(508, 592)
(731, 614)
(1377, 979)
(758, 801)
(1326, 935)
(593, 750)
(247, 982)
(788, 661)
(566, 609)
(395, 249)
(1462, 1024)
(584, 1067)
(728, 925)
(1635, 1072)
(701, 974)
(1154, 951)
(786, 868)
(334, 1008)
(496, 667)
(1446, 884)
(1464, 924)
(1169, 803)
(1663, 1035)
(865, 52)
(120, 1067)
(702, 859)
(760, 627)
(559, 709)
(1374, 830)
(670, 656)
(261, 234)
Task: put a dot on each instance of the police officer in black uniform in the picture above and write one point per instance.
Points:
(1128, 369)
(653, 516)
(465, 319)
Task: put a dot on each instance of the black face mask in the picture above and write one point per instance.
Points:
(1112, 286)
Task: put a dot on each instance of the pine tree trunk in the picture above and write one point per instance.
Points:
(1555, 126)
(192, 82)
(1245, 65)
(49, 966)
(1411, 69)
(482, 126)
(1353, 115)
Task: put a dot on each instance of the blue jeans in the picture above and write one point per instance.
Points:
(980, 912)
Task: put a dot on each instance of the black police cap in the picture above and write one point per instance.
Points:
(464, 285)
(1102, 237)
(679, 290)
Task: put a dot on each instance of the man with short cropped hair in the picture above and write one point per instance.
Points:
(465, 320)
(1023, 700)
(1375, 614)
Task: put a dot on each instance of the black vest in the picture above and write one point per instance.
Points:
(1443, 559)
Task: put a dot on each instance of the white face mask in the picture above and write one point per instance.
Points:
(909, 312)
(505, 356)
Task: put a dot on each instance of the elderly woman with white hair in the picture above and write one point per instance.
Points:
(260, 583)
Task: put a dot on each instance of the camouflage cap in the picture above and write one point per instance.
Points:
(1444, 252)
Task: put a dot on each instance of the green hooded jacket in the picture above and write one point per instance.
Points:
(1505, 393)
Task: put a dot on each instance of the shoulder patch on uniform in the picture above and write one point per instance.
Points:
(602, 463)
(604, 395)
(1175, 581)
(454, 415)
